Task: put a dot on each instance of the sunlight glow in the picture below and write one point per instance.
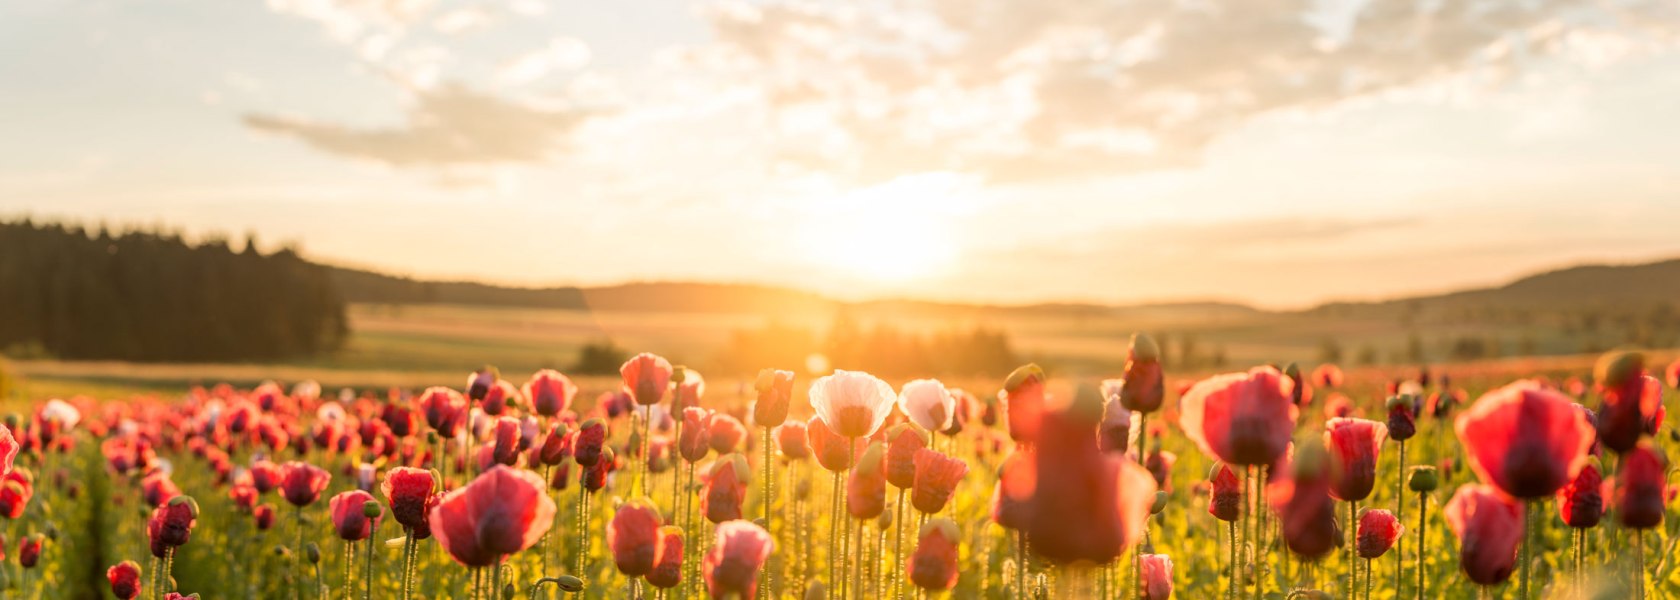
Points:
(889, 233)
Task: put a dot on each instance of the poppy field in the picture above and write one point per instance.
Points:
(1458, 481)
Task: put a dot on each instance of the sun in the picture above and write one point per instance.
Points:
(892, 233)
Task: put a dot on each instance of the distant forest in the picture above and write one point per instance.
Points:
(75, 293)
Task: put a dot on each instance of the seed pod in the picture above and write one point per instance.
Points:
(1423, 479)
(570, 584)
(313, 553)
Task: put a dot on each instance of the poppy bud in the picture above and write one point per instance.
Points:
(937, 476)
(1581, 503)
(595, 478)
(790, 439)
(125, 580)
(731, 568)
(1639, 492)
(1422, 479)
(588, 447)
(1225, 494)
(775, 391)
(667, 570)
(1023, 396)
(555, 446)
(933, 564)
(29, 551)
(726, 489)
(633, 537)
(1157, 575)
(569, 583)
(866, 487)
(904, 440)
(1142, 389)
(1402, 423)
(1160, 502)
(1378, 530)
(312, 552)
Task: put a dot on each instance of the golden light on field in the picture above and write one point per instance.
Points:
(890, 233)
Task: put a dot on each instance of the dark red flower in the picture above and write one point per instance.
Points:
(549, 392)
(556, 445)
(29, 551)
(1354, 445)
(157, 488)
(1012, 497)
(903, 442)
(731, 568)
(1581, 503)
(1526, 440)
(125, 580)
(1489, 527)
(1087, 506)
(667, 570)
(1631, 401)
(726, 489)
(937, 476)
(833, 452)
(265, 476)
(1142, 389)
(350, 521)
(172, 524)
(1378, 530)
(1306, 512)
(933, 564)
(263, 515)
(866, 486)
(633, 537)
(479, 382)
(406, 490)
(445, 410)
(301, 483)
(775, 391)
(1402, 417)
(1244, 419)
(646, 376)
(1023, 397)
(591, 438)
(595, 477)
(1639, 492)
(506, 436)
(500, 512)
(1225, 494)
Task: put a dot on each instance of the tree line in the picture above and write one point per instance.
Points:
(77, 293)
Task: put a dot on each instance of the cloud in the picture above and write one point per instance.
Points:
(1022, 91)
(447, 126)
(561, 54)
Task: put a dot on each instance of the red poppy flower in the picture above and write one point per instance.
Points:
(1086, 505)
(549, 392)
(1243, 419)
(1402, 418)
(1489, 527)
(646, 376)
(1639, 492)
(1354, 445)
(496, 401)
(1023, 397)
(731, 568)
(903, 442)
(591, 438)
(1306, 512)
(1524, 439)
(349, 520)
(1143, 388)
(265, 476)
(790, 439)
(172, 524)
(8, 449)
(480, 381)
(406, 490)
(853, 404)
(302, 483)
(1012, 496)
(1627, 409)
(1581, 503)
(1225, 495)
(726, 489)
(156, 488)
(1378, 530)
(633, 537)
(866, 487)
(696, 439)
(667, 570)
(125, 580)
(29, 551)
(834, 452)
(445, 410)
(263, 515)
(725, 433)
(595, 477)
(1157, 571)
(506, 436)
(500, 512)
(400, 419)
(933, 564)
(937, 476)
(775, 391)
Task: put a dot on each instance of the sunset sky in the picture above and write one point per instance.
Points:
(1271, 151)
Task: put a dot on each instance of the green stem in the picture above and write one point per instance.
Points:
(408, 560)
(898, 546)
(1231, 589)
(764, 583)
(1528, 521)
(367, 573)
(1400, 515)
(1423, 547)
(1353, 540)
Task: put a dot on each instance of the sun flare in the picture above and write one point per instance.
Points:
(894, 232)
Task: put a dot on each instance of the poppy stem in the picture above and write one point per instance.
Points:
(1231, 590)
(1422, 530)
(1400, 516)
(1137, 553)
(1528, 521)
(367, 586)
(1353, 540)
(765, 587)
(408, 556)
(833, 535)
(898, 545)
(1020, 564)
(1261, 563)
(1639, 561)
